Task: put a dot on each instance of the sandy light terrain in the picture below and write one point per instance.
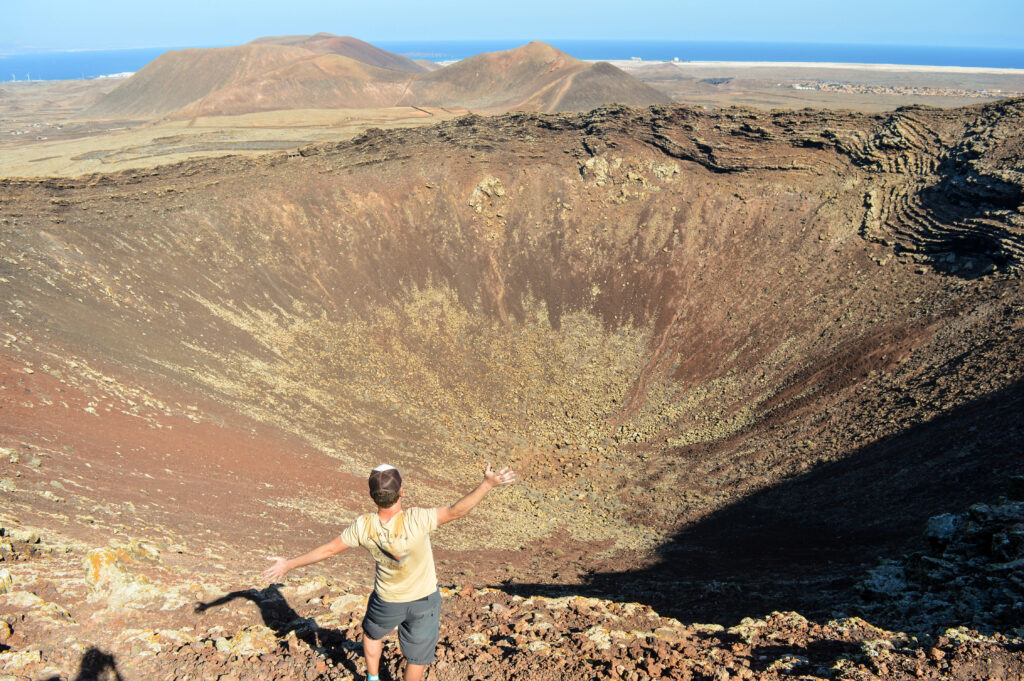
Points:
(791, 85)
(173, 141)
(41, 134)
(915, 68)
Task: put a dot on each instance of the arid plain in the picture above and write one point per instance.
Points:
(759, 368)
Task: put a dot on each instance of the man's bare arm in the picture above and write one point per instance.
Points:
(282, 566)
(492, 479)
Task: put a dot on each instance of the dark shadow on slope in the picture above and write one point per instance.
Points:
(803, 544)
(279, 616)
(96, 666)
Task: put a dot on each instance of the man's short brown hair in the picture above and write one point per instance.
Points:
(385, 485)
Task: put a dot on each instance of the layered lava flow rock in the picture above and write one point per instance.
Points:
(735, 356)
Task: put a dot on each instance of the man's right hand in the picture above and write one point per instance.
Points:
(277, 571)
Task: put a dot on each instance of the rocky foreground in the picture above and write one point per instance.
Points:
(123, 611)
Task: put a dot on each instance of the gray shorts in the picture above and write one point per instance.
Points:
(418, 622)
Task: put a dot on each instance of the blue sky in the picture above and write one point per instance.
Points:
(108, 24)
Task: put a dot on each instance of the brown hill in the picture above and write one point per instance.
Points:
(325, 71)
(324, 81)
(346, 46)
(256, 77)
(600, 84)
(534, 77)
(178, 78)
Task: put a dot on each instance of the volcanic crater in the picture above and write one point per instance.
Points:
(735, 356)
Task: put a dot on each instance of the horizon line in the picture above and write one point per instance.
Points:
(9, 51)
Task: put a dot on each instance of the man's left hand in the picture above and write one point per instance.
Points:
(497, 478)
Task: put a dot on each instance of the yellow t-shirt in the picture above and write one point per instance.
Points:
(401, 548)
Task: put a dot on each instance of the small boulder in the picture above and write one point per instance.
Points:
(107, 576)
(940, 530)
(885, 580)
(347, 603)
(144, 550)
(41, 611)
(311, 586)
(789, 664)
(748, 629)
(1008, 545)
(22, 660)
(25, 536)
(254, 640)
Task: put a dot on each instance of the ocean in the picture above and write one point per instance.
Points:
(75, 65)
(96, 63)
(666, 50)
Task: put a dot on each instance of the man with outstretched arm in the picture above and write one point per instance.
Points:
(405, 593)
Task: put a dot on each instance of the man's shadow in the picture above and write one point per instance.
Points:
(282, 619)
(96, 666)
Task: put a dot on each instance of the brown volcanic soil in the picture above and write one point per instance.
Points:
(736, 357)
(178, 78)
(320, 82)
(290, 72)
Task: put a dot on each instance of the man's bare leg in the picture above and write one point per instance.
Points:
(414, 672)
(372, 648)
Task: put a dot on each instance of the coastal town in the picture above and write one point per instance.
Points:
(905, 90)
